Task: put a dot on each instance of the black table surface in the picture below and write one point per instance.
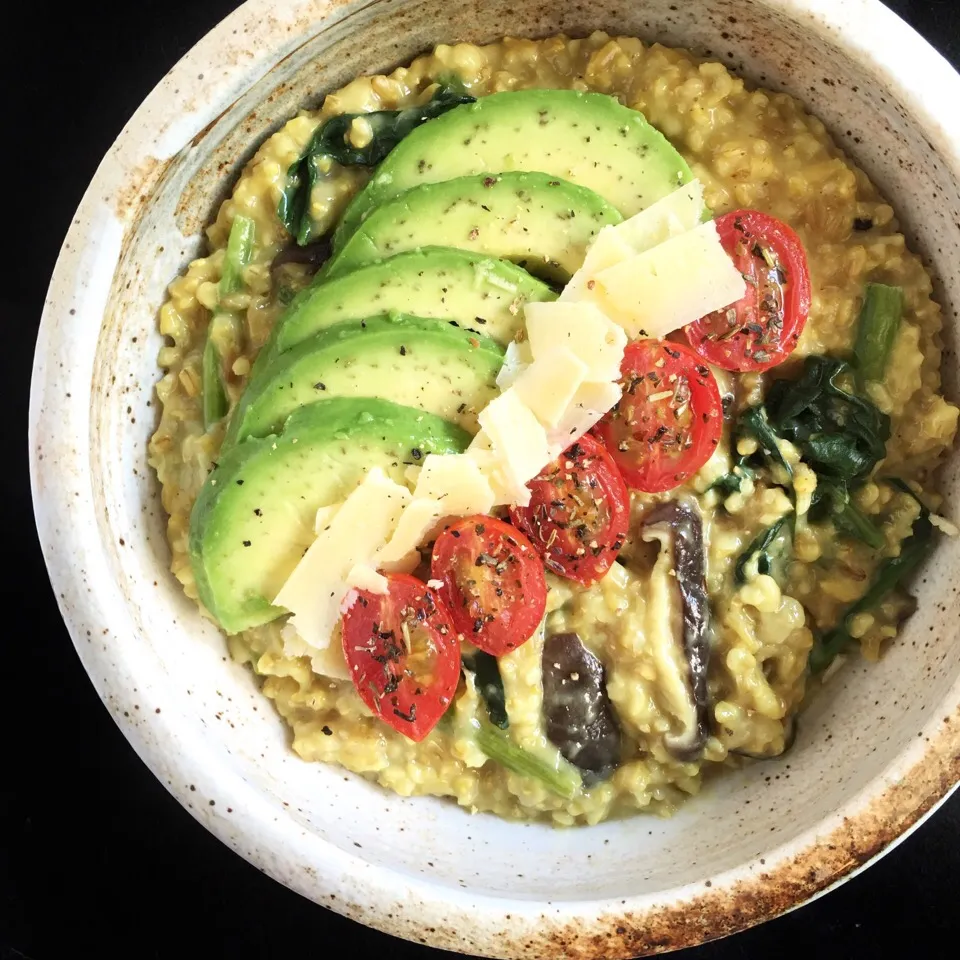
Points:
(96, 858)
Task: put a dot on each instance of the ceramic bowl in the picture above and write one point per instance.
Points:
(875, 754)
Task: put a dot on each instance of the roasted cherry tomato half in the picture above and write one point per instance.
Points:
(763, 328)
(493, 582)
(579, 512)
(402, 652)
(669, 419)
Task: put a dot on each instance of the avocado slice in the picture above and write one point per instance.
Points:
(479, 292)
(542, 222)
(415, 361)
(255, 513)
(590, 139)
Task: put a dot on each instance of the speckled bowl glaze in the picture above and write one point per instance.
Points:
(873, 757)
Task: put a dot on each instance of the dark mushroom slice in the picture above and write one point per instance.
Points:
(771, 753)
(680, 621)
(577, 710)
(313, 255)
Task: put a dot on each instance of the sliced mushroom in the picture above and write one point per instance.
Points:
(313, 255)
(578, 713)
(679, 622)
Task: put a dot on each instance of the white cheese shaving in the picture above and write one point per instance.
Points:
(416, 524)
(448, 485)
(516, 359)
(589, 405)
(360, 527)
(505, 490)
(669, 217)
(364, 577)
(457, 482)
(327, 662)
(324, 517)
(581, 327)
(670, 285)
(550, 383)
(516, 436)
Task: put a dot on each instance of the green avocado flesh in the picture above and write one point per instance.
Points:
(415, 361)
(254, 517)
(539, 221)
(479, 292)
(590, 139)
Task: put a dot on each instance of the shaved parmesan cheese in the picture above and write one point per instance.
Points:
(324, 516)
(583, 329)
(365, 577)
(669, 217)
(505, 489)
(417, 525)
(456, 481)
(589, 405)
(448, 485)
(517, 437)
(328, 661)
(670, 285)
(516, 359)
(550, 383)
(352, 536)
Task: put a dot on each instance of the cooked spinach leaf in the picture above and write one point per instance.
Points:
(831, 501)
(489, 683)
(732, 482)
(888, 575)
(756, 422)
(838, 433)
(773, 549)
(330, 142)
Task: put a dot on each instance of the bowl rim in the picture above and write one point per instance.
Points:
(916, 782)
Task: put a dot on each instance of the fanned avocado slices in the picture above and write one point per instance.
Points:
(414, 361)
(255, 513)
(543, 223)
(478, 292)
(589, 139)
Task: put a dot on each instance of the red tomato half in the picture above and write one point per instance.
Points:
(493, 583)
(669, 419)
(579, 512)
(763, 328)
(403, 654)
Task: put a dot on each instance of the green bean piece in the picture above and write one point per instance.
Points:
(877, 328)
(215, 403)
(239, 252)
(889, 575)
(562, 778)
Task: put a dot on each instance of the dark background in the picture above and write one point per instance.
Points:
(95, 857)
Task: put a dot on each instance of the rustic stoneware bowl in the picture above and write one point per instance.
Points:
(875, 754)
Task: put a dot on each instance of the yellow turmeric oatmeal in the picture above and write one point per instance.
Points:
(545, 419)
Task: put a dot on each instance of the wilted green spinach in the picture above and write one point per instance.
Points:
(330, 142)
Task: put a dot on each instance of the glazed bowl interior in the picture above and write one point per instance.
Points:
(199, 720)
